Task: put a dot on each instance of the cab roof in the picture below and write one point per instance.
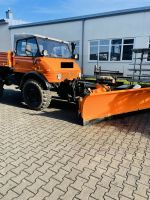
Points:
(26, 35)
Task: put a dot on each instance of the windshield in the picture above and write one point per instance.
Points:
(54, 49)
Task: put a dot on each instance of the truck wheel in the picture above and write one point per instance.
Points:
(1, 89)
(34, 96)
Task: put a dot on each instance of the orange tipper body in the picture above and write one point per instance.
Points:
(50, 68)
(102, 104)
(6, 59)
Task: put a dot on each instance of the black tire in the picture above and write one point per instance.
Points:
(1, 89)
(35, 96)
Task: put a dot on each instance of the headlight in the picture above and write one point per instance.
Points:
(59, 76)
(80, 75)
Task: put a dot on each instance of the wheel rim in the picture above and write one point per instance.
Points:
(33, 95)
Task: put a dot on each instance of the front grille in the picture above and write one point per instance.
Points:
(67, 65)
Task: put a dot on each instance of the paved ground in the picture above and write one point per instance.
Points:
(47, 155)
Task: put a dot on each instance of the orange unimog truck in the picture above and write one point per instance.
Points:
(37, 65)
(40, 64)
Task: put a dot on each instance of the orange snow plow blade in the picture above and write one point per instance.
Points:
(101, 104)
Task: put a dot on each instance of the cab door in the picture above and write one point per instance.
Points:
(25, 56)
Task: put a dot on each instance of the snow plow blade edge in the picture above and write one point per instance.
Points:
(99, 105)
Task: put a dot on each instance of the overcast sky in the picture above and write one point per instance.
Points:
(40, 10)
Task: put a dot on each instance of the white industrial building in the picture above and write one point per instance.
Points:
(106, 39)
(5, 32)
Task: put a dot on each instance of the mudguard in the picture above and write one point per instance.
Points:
(36, 76)
(102, 104)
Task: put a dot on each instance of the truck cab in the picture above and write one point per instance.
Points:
(38, 65)
(50, 57)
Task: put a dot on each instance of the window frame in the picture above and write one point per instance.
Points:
(99, 45)
(38, 51)
(113, 45)
(90, 50)
(110, 45)
(148, 60)
(127, 45)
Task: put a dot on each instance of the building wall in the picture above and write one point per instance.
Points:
(5, 42)
(121, 26)
(134, 25)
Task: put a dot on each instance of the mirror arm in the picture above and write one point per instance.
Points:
(34, 60)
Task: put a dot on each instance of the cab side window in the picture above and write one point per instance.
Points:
(27, 47)
(32, 47)
(21, 46)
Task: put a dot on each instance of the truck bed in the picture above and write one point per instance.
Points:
(6, 59)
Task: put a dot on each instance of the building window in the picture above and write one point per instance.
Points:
(104, 50)
(111, 50)
(127, 49)
(148, 56)
(93, 50)
(116, 50)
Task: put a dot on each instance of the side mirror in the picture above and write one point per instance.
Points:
(76, 57)
(44, 53)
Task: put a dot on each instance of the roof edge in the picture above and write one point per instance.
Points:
(84, 17)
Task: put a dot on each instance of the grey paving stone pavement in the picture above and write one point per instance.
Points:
(48, 155)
